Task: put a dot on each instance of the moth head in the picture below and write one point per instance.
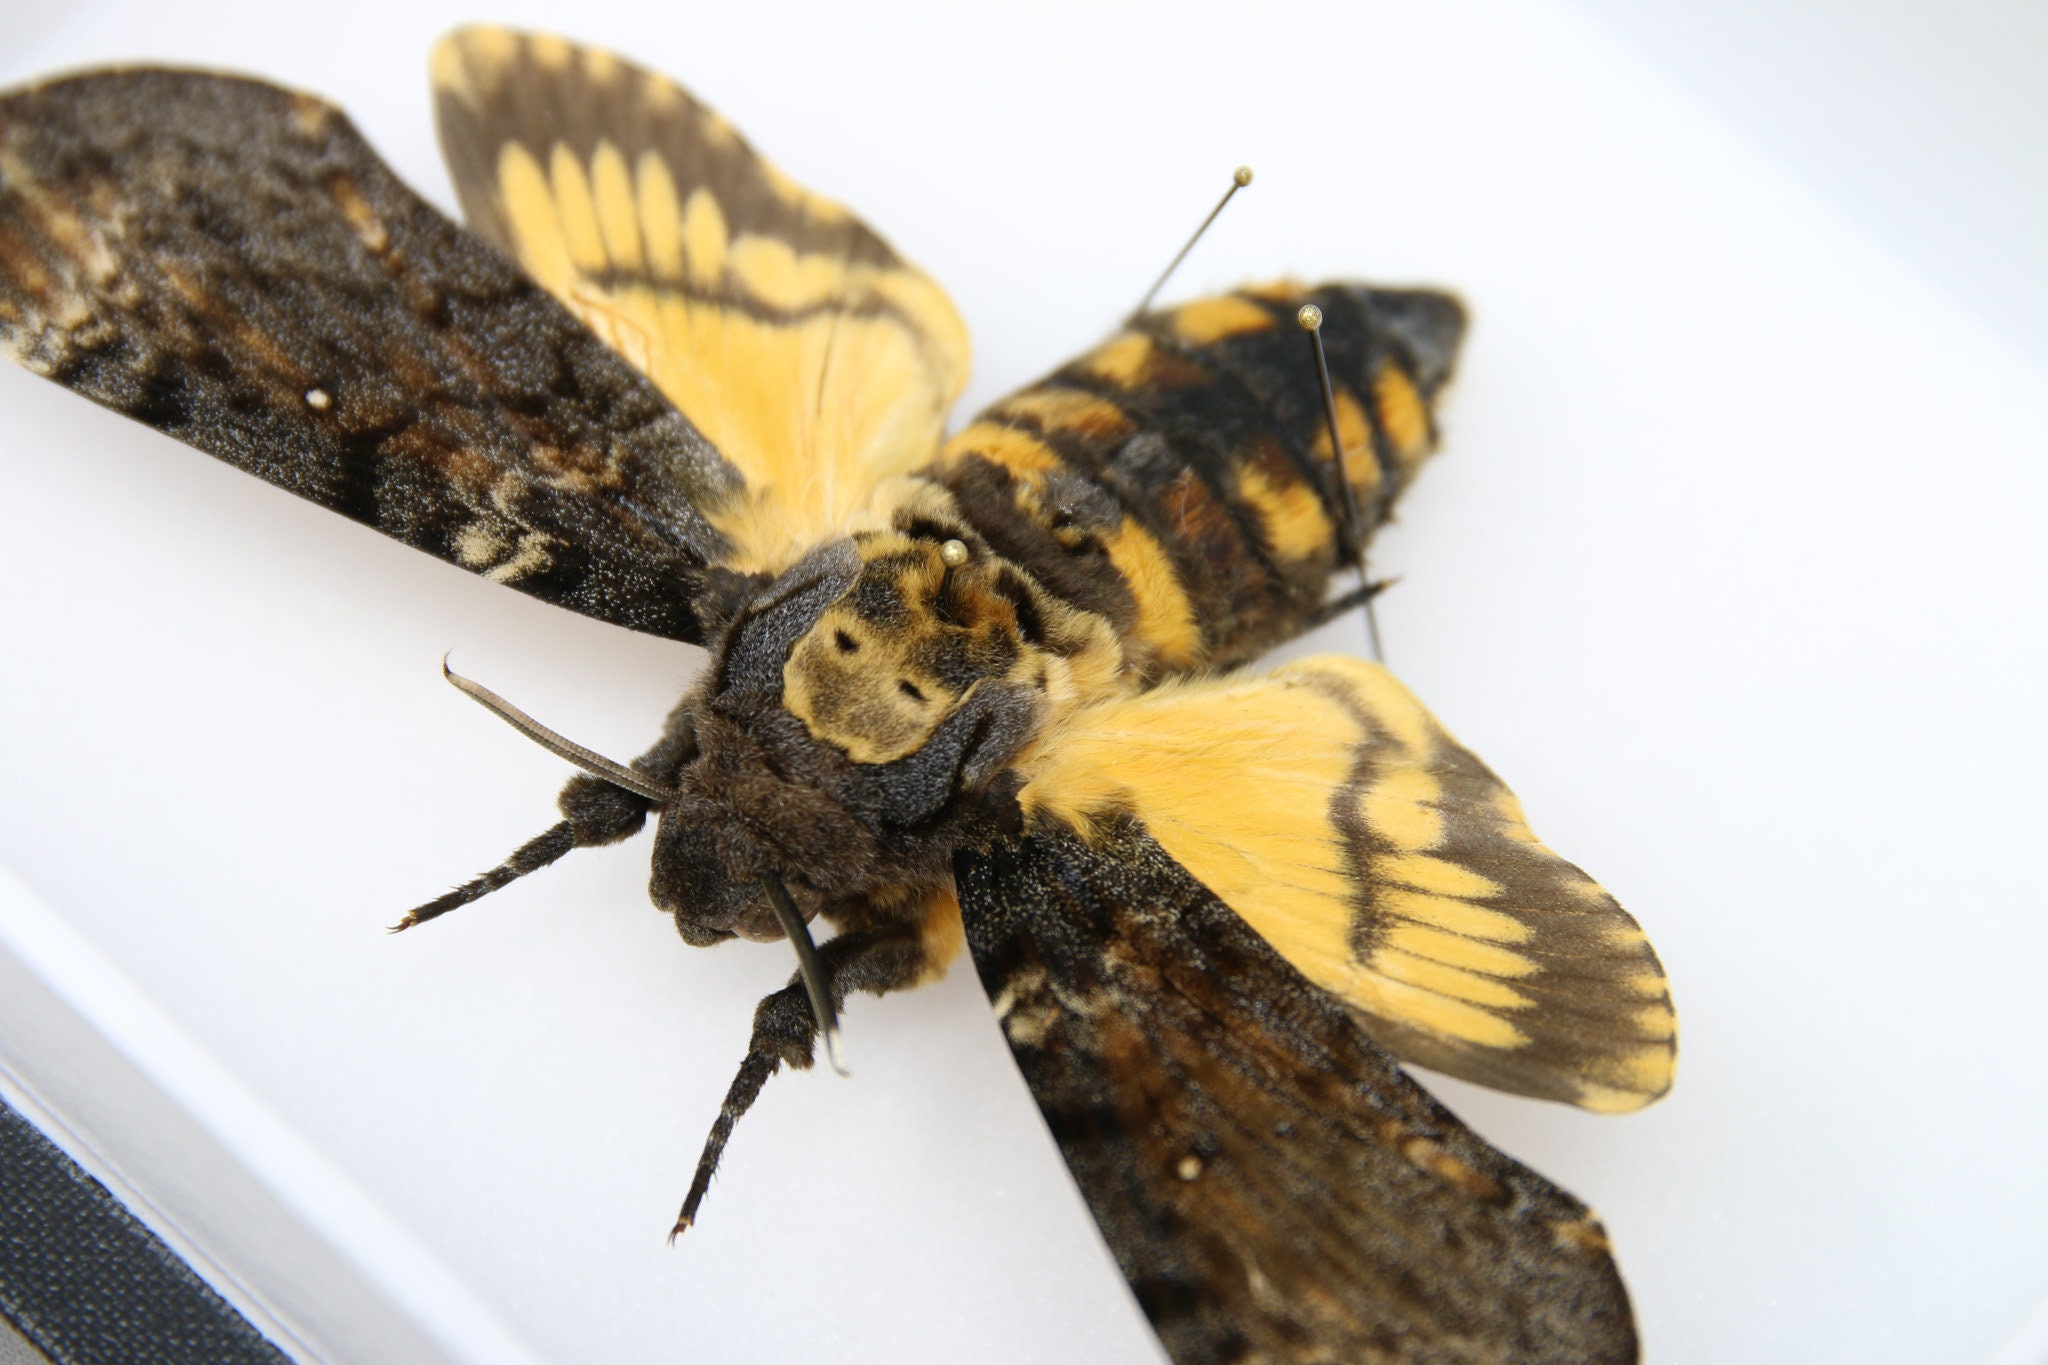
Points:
(719, 843)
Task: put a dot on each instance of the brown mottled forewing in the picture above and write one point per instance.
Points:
(1274, 1188)
(230, 263)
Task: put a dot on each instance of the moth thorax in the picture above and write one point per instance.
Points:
(884, 666)
(865, 690)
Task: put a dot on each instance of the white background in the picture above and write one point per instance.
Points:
(1926, 119)
(1733, 567)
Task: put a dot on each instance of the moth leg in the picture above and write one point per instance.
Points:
(594, 812)
(1363, 595)
(598, 813)
(886, 957)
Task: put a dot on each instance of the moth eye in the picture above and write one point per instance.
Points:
(847, 644)
(910, 690)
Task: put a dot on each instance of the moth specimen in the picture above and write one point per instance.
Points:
(988, 690)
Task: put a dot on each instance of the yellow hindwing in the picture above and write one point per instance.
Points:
(815, 359)
(1323, 804)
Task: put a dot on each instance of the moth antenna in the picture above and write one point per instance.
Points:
(1311, 319)
(596, 764)
(807, 967)
(532, 856)
(784, 1028)
(1239, 178)
(952, 554)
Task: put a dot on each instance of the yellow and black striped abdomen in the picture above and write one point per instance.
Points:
(1178, 479)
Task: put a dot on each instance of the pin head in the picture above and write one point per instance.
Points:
(953, 553)
(1243, 176)
(1310, 317)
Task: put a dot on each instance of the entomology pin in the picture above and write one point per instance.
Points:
(952, 554)
(1310, 318)
(1239, 178)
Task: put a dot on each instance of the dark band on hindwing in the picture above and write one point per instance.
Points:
(495, 86)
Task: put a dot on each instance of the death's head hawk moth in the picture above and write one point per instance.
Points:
(993, 689)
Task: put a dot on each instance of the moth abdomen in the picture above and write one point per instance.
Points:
(1179, 478)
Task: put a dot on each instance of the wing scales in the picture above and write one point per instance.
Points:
(815, 359)
(230, 263)
(1272, 1185)
(1387, 864)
